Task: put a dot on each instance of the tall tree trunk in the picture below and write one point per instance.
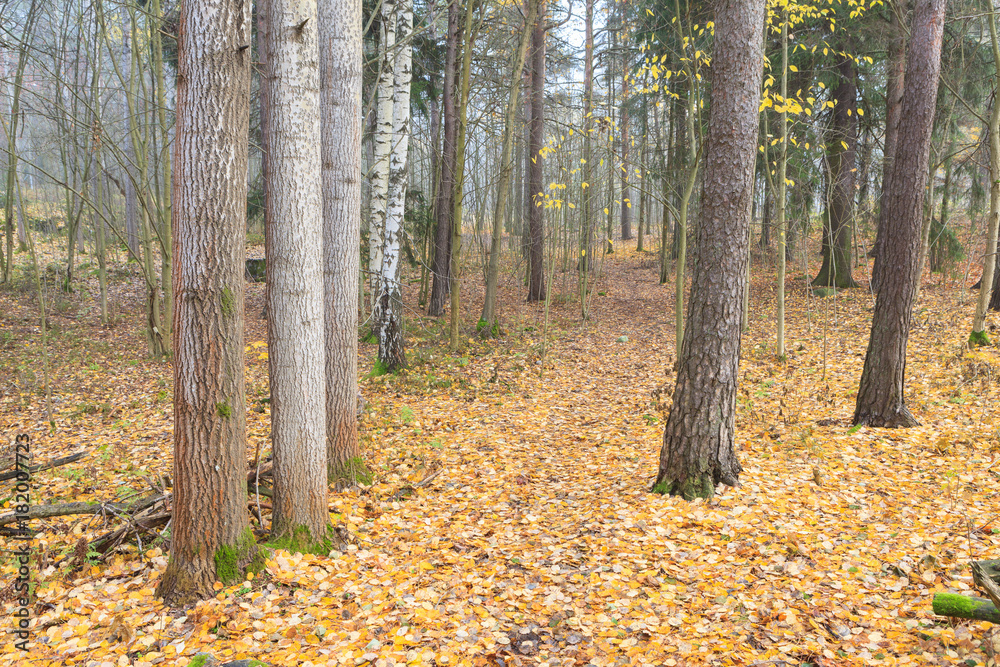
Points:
(379, 178)
(894, 84)
(163, 209)
(11, 139)
(536, 212)
(880, 399)
(489, 322)
(388, 300)
(469, 36)
(288, 37)
(698, 449)
(210, 535)
(586, 238)
(782, 190)
(442, 231)
(340, 89)
(842, 150)
(978, 336)
(626, 208)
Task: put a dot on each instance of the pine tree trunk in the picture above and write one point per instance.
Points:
(880, 399)
(211, 539)
(842, 150)
(698, 448)
(288, 38)
(340, 88)
(894, 83)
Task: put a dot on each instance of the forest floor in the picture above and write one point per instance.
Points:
(510, 521)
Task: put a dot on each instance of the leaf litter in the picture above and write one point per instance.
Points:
(509, 522)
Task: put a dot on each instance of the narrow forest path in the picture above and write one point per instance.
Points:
(510, 523)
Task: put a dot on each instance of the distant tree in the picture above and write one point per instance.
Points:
(698, 448)
(489, 323)
(987, 286)
(880, 399)
(210, 535)
(340, 88)
(841, 159)
(288, 36)
(446, 178)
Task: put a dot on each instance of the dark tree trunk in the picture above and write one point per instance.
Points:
(765, 220)
(698, 449)
(536, 232)
(880, 395)
(842, 151)
(895, 79)
(442, 233)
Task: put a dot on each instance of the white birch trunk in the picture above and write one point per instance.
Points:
(296, 329)
(388, 303)
(383, 146)
(340, 87)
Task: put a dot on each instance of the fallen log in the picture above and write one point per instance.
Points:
(985, 574)
(54, 463)
(70, 509)
(62, 509)
(961, 606)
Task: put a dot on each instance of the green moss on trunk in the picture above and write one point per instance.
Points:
(232, 562)
(301, 540)
(689, 488)
(960, 606)
(978, 339)
(347, 473)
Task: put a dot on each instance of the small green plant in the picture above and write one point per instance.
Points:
(484, 328)
(224, 410)
(406, 415)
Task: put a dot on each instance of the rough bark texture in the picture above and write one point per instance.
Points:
(340, 88)
(536, 211)
(294, 229)
(698, 448)
(842, 151)
(880, 395)
(442, 232)
(894, 81)
(210, 535)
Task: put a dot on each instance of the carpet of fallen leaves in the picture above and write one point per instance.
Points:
(509, 522)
